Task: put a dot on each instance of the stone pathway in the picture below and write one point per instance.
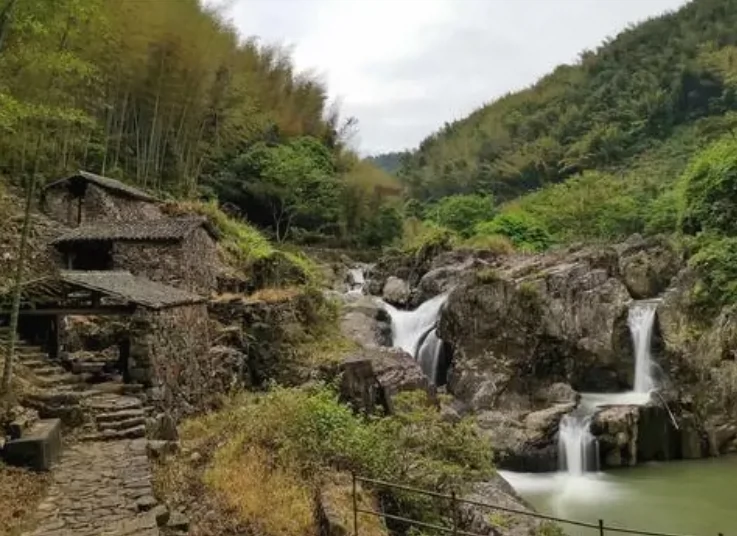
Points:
(100, 489)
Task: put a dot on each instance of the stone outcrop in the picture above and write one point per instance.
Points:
(366, 322)
(518, 330)
(396, 291)
(524, 441)
(335, 509)
(498, 492)
(373, 377)
(647, 266)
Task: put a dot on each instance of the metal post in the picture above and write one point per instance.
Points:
(355, 507)
(453, 508)
(601, 527)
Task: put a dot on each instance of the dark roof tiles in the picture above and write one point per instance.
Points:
(103, 182)
(163, 230)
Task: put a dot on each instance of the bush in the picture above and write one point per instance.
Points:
(382, 229)
(310, 433)
(418, 235)
(710, 190)
(461, 213)
(715, 261)
(498, 244)
(523, 229)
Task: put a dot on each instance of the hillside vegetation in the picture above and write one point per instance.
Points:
(601, 142)
(167, 96)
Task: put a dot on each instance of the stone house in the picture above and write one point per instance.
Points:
(84, 198)
(168, 340)
(175, 251)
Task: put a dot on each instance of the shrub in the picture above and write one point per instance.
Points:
(498, 244)
(310, 433)
(715, 261)
(523, 229)
(418, 235)
(710, 190)
(461, 213)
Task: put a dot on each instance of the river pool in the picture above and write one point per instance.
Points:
(697, 498)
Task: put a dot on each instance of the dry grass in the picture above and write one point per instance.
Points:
(270, 499)
(275, 295)
(338, 493)
(20, 492)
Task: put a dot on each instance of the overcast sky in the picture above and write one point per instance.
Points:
(405, 67)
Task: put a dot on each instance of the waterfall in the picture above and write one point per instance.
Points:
(429, 355)
(578, 450)
(356, 281)
(414, 332)
(641, 320)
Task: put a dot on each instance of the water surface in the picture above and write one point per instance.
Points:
(697, 498)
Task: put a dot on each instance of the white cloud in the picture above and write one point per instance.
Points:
(404, 67)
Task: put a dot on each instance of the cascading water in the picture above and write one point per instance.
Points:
(429, 355)
(577, 446)
(414, 332)
(356, 280)
(578, 450)
(641, 320)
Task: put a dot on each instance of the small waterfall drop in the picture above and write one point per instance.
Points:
(641, 320)
(578, 449)
(429, 355)
(414, 332)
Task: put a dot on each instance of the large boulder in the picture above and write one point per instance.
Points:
(498, 492)
(647, 266)
(366, 322)
(523, 441)
(518, 330)
(374, 376)
(443, 278)
(396, 291)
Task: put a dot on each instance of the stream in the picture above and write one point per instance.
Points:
(696, 498)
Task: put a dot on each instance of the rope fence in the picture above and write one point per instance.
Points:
(455, 502)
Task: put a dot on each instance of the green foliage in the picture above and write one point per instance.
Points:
(495, 243)
(548, 528)
(461, 213)
(384, 228)
(311, 431)
(523, 229)
(716, 263)
(710, 190)
(418, 235)
(590, 147)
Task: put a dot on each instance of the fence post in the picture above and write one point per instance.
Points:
(453, 508)
(601, 527)
(355, 507)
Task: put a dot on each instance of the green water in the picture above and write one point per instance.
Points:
(697, 498)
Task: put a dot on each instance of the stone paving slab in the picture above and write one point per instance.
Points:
(99, 489)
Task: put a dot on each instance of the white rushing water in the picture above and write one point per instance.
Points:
(577, 447)
(578, 450)
(410, 328)
(356, 280)
(641, 320)
(428, 356)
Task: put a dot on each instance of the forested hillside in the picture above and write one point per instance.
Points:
(389, 162)
(600, 143)
(167, 96)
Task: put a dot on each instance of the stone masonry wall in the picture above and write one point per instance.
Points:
(157, 261)
(169, 356)
(189, 264)
(98, 204)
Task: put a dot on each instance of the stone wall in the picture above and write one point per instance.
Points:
(98, 204)
(169, 355)
(189, 264)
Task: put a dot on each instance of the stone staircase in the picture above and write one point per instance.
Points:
(99, 411)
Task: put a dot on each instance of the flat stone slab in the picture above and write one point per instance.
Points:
(38, 448)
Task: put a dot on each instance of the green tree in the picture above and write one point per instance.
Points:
(523, 229)
(462, 212)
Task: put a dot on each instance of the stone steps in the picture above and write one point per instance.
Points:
(47, 370)
(56, 379)
(135, 432)
(120, 415)
(122, 425)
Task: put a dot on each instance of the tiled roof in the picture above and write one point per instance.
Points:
(127, 287)
(103, 182)
(163, 230)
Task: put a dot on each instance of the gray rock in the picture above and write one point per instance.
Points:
(396, 291)
(647, 266)
(374, 376)
(161, 514)
(163, 427)
(178, 521)
(366, 322)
